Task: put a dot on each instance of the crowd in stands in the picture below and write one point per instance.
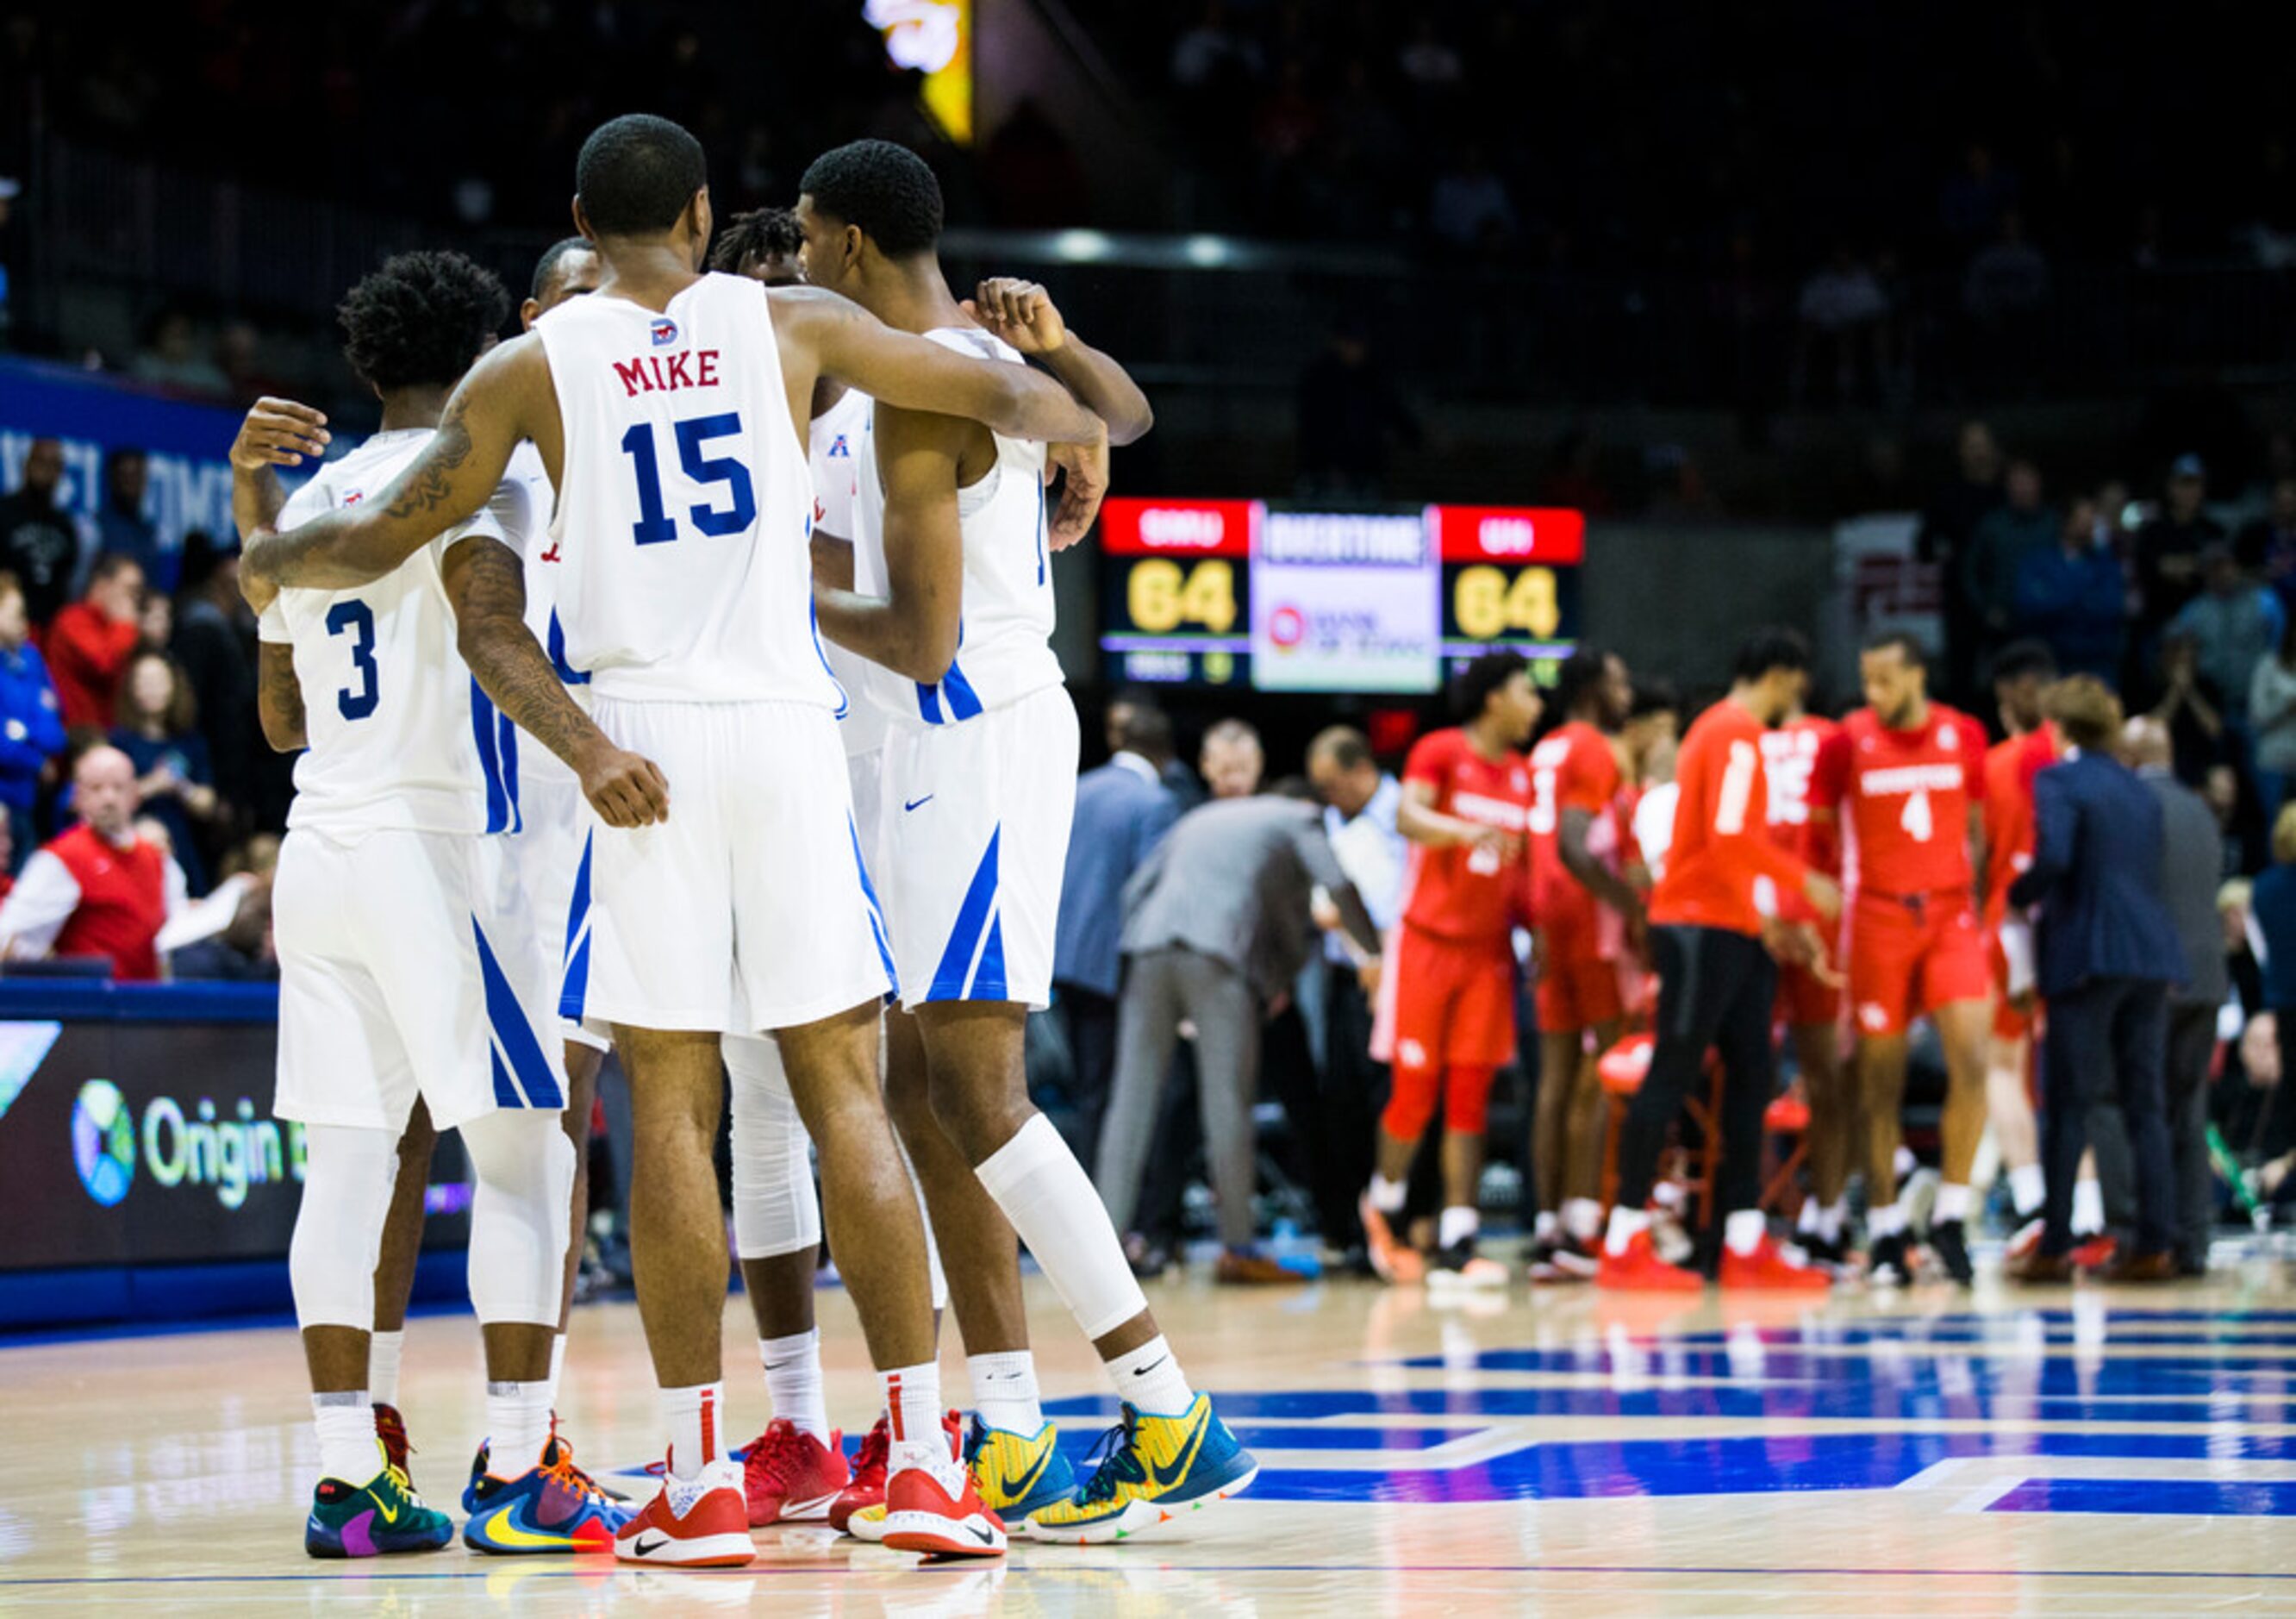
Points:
(108, 678)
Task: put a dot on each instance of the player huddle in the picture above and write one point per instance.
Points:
(676, 676)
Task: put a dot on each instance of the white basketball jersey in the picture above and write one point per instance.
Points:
(401, 738)
(1004, 649)
(836, 443)
(685, 508)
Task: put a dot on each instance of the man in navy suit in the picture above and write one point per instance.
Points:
(1122, 811)
(2108, 954)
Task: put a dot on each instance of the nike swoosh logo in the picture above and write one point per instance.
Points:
(390, 1512)
(642, 1549)
(918, 803)
(510, 1528)
(1023, 1488)
(1151, 1366)
(982, 1535)
(1166, 1478)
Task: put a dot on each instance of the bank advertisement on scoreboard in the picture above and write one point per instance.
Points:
(1263, 595)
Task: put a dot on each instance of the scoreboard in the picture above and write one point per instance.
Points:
(1256, 593)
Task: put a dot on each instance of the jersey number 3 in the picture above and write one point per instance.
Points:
(655, 526)
(356, 702)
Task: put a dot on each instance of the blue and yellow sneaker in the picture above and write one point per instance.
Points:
(1017, 1475)
(549, 1509)
(1155, 1468)
(555, 1452)
(372, 1519)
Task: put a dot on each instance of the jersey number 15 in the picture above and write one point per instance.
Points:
(655, 526)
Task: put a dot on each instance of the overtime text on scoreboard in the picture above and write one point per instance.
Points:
(1247, 593)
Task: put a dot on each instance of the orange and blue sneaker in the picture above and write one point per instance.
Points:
(1154, 1469)
(1018, 1475)
(549, 1509)
(373, 1520)
(554, 1454)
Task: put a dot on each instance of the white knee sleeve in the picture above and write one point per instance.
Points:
(519, 1215)
(775, 1208)
(347, 1174)
(1045, 1194)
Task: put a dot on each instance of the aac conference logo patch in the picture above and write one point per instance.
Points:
(103, 1141)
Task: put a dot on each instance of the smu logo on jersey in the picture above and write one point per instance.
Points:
(665, 332)
(355, 497)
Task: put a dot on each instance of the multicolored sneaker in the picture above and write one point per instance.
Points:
(1154, 1469)
(693, 1523)
(922, 1516)
(548, 1509)
(859, 1509)
(373, 1520)
(557, 1450)
(789, 1477)
(391, 1428)
(1017, 1475)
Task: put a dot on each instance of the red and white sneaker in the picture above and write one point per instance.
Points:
(2094, 1252)
(2026, 1242)
(1640, 1269)
(1768, 1270)
(791, 1477)
(696, 1523)
(920, 1516)
(867, 1488)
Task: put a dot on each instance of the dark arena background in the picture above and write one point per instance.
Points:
(1593, 484)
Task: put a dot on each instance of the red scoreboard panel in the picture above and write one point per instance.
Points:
(1510, 579)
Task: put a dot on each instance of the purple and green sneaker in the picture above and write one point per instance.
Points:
(373, 1520)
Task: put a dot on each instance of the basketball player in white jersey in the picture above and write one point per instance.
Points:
(401, 975)
(955, 612)
(666, 407)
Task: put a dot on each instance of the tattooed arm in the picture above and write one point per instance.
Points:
(451, 478)
(279, 698)
(486, 584)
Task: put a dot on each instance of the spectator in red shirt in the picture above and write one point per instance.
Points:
(1713, 915)
(99, 888)
(92, 639)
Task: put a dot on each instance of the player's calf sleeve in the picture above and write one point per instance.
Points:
(1411, 1101)
(348, 1175)
(524, 1166)
(1050, 1200)
(775, 1208)
(1467, 1100)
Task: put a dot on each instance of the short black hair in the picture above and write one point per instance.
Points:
(1908, 645)
(2022, 660)
(1146, 730)
(1576, 675)
(110, 565)
(637, 174)
(762, 232)
(1472, 687)
(886, 190)
(1655, 697)
(546, 269)
(422, 317)
(1768, 649)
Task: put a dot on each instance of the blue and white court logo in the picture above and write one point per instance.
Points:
(665, 332)
(103, 1141)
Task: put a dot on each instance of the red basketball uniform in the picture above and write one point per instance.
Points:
(1789, 760)
(1722, 856)
(1579, 937)
(2010, 767)
(1905, 799)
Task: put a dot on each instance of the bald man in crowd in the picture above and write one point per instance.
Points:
(101, 889)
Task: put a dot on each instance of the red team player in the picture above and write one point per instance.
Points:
(1907, 777)
(1810, 992)
(1586, 913)
(1466, 802)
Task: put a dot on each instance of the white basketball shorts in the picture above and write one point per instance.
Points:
(975, 838)
(402, 972)
(748, 909)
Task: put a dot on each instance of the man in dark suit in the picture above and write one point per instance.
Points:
(1122, 811)
(2108, 955)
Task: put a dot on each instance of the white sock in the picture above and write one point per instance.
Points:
(557, 1366)
(1546, 1228)
(1886, 1222)
(517, 1425)
(1806, 1223)
(912, 1403)
(1951, 1205)
(1668, 1196)
(1743, 1229)
(383, 1350)
(348, 1448)
(793, 1381)
(1150, 1379)
(1387, 1195)
(2088, 1208)
(1004, 1391)
(695, 1416)
(1905, 1163)
(1582, 1217)
(1832, 1218)
(1044, 1191)
(2027, 1189)
(1457, 1225)
(1626, 1225)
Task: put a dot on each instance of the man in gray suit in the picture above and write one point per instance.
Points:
(2189, 876)
(1123, 810)
(1216, 924)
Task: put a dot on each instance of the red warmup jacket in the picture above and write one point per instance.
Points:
(87, 652)
(123, 903)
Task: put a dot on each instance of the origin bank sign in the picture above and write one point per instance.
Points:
(199, 1147)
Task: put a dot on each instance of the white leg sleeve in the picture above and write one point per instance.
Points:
(1045, 1194)
(520, 1213)
(775, 1208)
(347, 1174)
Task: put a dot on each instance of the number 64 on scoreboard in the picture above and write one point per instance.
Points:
(1510, 579)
